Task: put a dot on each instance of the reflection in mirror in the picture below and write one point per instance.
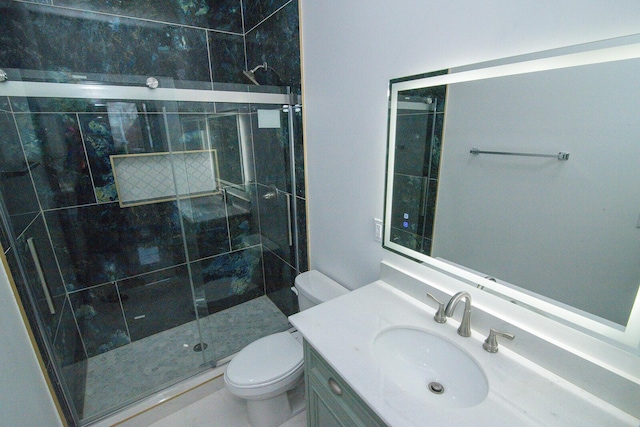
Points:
(560, 235)
(418, 134)
(224, 137)
(222, 133)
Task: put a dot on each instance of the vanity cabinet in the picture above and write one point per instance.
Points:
(330, 401)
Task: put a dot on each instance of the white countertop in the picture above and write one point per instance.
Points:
(520, 393)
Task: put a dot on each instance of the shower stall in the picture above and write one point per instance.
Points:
(151, 231)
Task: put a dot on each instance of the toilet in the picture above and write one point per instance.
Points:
(268, 373)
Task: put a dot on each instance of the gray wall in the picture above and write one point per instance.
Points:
(350, 51)
(24, 396)
(563, 229)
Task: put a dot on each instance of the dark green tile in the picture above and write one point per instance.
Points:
(279, 278)
(53, 145)
(227, 280)
(303, 255)
(157, 301)
(276, 41)
(135, 133)
(227, 57)
(275, 225)
(298, 144)
(271, 147)
(409, 195)
(17, 189)
(244, 227)
(222, 15)
(103, 243)
(258, 10)
(414, 137)
(71, 357)
(37, 233)
(4, 103)
(85, 42)
(205, 226)
(100, 319)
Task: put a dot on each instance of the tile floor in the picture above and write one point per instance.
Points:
(206, 403)
(127, 373)
(218, 409)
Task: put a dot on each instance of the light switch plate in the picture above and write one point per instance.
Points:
(378, 229)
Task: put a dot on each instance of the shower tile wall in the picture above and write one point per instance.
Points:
(222, 15)
(120, 275)
(196, 43)
(91, 43)
(265, 33)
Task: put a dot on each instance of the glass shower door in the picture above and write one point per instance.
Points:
(143, 216)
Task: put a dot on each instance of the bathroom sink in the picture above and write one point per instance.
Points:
(422, 368)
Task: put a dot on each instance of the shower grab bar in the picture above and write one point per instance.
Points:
(562, 155)
(43, 282)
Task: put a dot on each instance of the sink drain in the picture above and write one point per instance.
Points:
(436, 387)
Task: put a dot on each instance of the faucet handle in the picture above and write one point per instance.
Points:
(439, 316)
(491, 343)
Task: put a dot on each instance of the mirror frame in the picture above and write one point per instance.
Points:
(612, 50)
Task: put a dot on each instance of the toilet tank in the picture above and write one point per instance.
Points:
(315, 288)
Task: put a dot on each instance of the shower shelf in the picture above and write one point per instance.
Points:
(159, 177)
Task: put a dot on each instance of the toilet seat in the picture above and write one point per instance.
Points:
(269, 365)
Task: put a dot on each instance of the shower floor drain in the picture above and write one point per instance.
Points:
(200, 347)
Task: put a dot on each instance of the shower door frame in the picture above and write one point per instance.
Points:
(33, 89)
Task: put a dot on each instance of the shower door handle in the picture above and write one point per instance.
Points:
(43, 282)
(289, 222)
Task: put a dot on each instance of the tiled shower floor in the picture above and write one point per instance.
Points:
(127, 373)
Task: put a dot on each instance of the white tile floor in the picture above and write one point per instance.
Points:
(218, 409)
(205, 404)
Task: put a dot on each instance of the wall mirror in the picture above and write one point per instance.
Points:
(521, 177)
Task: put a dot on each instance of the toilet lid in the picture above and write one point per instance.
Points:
(317, 287)
(265, 361)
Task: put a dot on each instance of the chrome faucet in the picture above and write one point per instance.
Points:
(491, 343)
(465, 325)
(439, 316)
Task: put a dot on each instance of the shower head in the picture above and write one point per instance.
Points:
(251, 74)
